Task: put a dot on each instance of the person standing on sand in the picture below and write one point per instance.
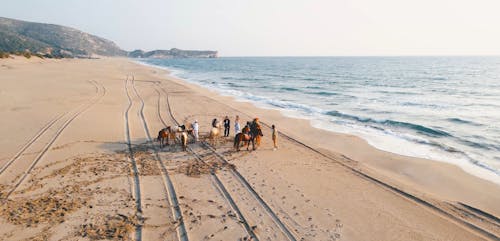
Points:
(196, 128)
(214, 123)
(227, 125)
(275, 137)
(237, 128)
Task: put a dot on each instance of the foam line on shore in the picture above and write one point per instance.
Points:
(385, 139)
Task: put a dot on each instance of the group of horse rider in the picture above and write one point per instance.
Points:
(237, 128)
(250, 133)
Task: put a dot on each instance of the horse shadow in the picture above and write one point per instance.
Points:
(142, 145)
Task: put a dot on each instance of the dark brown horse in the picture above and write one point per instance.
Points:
(243, 136)
(248, 135)
(163, 137)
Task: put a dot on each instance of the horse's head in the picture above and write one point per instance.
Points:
(256, 130)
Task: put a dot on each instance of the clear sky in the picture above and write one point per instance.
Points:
(280, 27)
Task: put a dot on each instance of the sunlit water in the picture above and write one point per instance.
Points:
(441, 108)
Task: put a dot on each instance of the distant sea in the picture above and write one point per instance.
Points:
(441, 108)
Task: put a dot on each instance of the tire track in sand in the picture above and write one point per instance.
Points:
(173, 200)
(135, 172)
(44, 150)
(216, 181)
(239, 178)
(40, 133)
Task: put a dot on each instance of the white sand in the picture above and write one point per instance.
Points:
(316, 197)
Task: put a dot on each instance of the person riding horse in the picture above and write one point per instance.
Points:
(252, 132)
(242, 137)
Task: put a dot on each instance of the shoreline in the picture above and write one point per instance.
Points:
(479, 170)
(405, 171)
(319, 184)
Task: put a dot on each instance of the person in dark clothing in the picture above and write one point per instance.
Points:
(227, 125)
(214, 123)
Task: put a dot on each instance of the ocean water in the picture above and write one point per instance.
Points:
(441, 108)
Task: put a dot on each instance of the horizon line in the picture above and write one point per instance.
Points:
(424, 55)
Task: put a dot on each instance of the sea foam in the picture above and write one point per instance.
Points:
(399, 105)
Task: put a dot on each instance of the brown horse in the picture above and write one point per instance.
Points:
(241, 137)
(169, 133)
(258, 138)
(248, 135)
(163, 137)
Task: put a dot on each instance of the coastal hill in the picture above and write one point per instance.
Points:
(50, 40)
(54, 40)
(173, 53)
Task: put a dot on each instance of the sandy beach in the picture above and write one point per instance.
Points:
(78, 161)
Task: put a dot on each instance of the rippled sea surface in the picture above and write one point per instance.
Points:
(441, 108)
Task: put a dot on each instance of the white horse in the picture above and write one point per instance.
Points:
(170, 133)
(214, 134)
(184, 139)
(174, 130)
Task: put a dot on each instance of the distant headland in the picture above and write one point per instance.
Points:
(55, 41)
(173, 53)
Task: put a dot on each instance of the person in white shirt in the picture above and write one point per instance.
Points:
(237, 128)
(196, 128)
